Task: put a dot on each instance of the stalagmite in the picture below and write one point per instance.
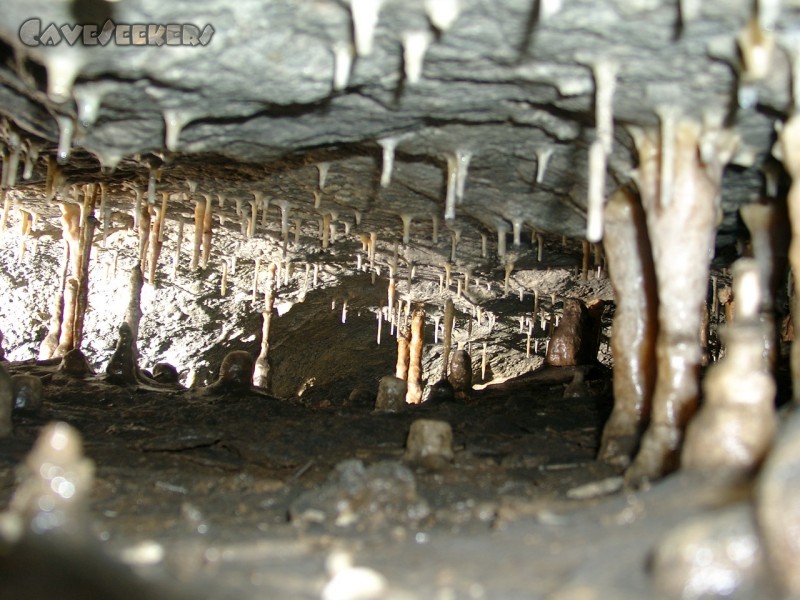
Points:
(682, 230)
(403, 353)
(415, 384)
(789, 138)
(415, 45)
(435, 229)
(262, 372)
(342, 64)
(449, 315)
(251, 226)
(365, 19)
(460, 376)
(123, 367)
(66, 129)
(50, 343)
(208, 223)
(585, 261)
(66, 341)
(733, 430)
(456, 237)
(540, 247)
(509, 268)
(633, 332)
(380, 324)
(442, 13)
(82, 300)
(144, 236)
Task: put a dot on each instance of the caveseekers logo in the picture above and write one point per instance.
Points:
(33, 34)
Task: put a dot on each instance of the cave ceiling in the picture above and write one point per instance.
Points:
(280, 87)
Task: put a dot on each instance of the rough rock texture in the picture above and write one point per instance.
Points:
(505, 83)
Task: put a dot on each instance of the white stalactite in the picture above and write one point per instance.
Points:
(442, 13)
(342, 65)
(542, 159)
(66, 129)
(365, 20)
(597, 185)
(605, 78)
(415, 45)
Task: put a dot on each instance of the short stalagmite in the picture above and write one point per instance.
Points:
(460, 375)
(122, 368)
(633, 332)
(235, 373)
(734, 428)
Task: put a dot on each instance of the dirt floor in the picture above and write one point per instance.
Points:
(248, 496)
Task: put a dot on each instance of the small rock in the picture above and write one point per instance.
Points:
(430, 441)
(165, 373)
(441, 391)
(27, 393)
(391, 394)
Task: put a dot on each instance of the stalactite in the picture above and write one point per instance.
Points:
(388, 145)
(66, 129)
(208, 223)
(144, 236)
(597, 190)
(365, 19)
(342, 64)
(682, 229)
(415, 45)
(633, 332)
(543, 156)
(502, 232)
(442, 13)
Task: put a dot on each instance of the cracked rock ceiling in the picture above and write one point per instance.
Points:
(506, 83)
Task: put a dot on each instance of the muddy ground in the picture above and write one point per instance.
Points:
(249, 496)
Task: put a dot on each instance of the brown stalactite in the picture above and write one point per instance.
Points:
(66, 340)
(50, 343)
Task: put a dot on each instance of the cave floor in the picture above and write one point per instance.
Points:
(240, 496)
